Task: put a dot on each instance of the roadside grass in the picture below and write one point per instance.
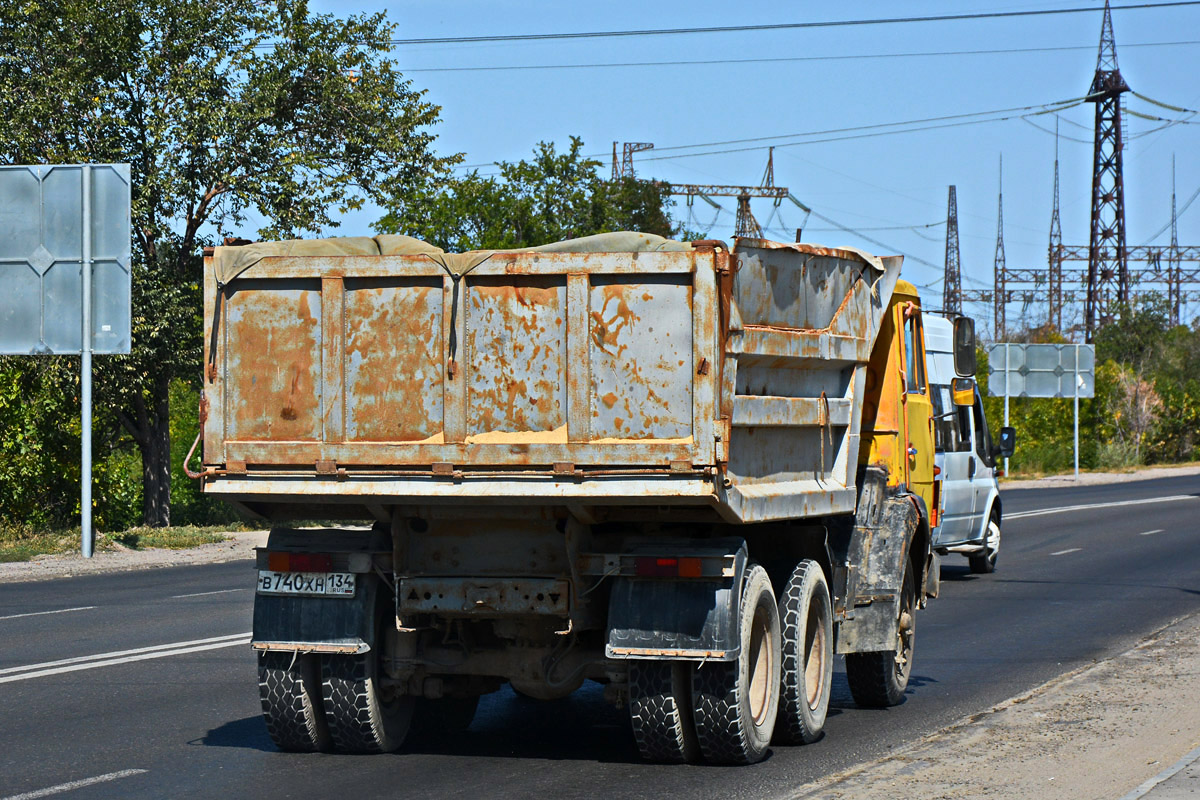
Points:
(1022, 474)
(23, 542)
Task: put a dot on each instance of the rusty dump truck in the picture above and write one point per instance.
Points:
(687, 471)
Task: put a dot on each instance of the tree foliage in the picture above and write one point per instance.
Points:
(553, 196)
(227, 111)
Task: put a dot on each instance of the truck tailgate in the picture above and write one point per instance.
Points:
(514, 360)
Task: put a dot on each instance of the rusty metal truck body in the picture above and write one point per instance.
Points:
(595, 460)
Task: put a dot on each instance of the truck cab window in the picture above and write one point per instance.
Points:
(914, 365)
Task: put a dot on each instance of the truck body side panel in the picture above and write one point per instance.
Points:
(734, 381)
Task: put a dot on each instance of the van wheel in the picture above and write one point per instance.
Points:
(735, 703)
(289, 687)
(985, 563)
(660, 710)
(878, 680)
(806, 621)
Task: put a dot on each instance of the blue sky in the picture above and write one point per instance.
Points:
(886, 187)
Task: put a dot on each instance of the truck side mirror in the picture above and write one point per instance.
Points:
(1006, 443)
(964, 347)
(963, 390)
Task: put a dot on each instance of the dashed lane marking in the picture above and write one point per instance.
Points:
(56, 611)
(1064, 552)
(1063, 509)
(205, 594)
(67, 787)
(120, 657)
(1151, 533)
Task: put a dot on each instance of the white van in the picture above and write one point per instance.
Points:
(967, 493)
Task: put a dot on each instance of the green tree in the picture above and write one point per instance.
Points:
(226, 110)
(552, 197)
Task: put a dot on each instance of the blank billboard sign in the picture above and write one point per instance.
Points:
(41, 258)
(1041, 370)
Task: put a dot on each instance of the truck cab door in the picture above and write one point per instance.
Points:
(918, 408)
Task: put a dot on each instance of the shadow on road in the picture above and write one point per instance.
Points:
(249, 733)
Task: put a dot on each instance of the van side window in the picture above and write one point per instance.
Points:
(983, 439)
(952, 430)
(914, 364)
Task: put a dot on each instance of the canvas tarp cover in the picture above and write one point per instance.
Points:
(232, 262)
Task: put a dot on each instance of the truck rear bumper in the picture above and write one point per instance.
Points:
(640, 490)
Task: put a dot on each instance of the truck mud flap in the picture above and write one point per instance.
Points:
(878, 554)
(677, 619)
(319, 624)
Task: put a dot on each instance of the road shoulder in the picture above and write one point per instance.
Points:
(1098, 478)
(240, 545)
(1100, 731)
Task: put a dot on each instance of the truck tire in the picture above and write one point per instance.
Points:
(660, 710)
(985, 563)
(446, 716)
(289, 687)
(363, 716)
(878, 680)
(806, 675)
(735, 702)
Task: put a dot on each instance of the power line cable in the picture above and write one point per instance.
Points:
(782, 59)
(776, 26)
(1043, 108)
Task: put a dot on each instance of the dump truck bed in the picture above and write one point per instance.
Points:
(660, 374)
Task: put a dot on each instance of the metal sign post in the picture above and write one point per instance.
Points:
(1006, 401)
(1078, 383)
(86, 536)
(65, 279)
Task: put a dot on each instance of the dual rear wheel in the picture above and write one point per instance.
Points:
(777, 688)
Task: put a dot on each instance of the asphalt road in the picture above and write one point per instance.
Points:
(142, 683)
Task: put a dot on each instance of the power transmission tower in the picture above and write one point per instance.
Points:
(1108, 273)
(746, 225)
(630, 148)
(1055, 251)
(1107, 255)
(1001, 296)
(952, 282)
(1174, 259)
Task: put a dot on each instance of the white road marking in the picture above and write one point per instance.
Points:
(1063, 509)
(40, 613)
(66, 787)
(121, 657)
(1064, 552)
(205, 594)
(1150, 533)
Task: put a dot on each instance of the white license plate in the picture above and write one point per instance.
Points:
(308, 583)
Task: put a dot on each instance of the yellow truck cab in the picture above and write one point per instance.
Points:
(898, 425)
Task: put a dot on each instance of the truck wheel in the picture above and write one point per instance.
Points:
(446, 716)
(878, 680)
(735, 702)
(364, 716)
(806, 622)
(289, 687)
(660, 709)
(985, 563)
